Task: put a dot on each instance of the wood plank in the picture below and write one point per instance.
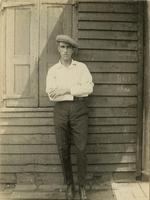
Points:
(50, 129)
(111, 7)
(12, 102)
(49, 121)
(39, 178)
(112, 67)
(113, 121)
(111, 138)
(110, 148)
(26, 129)
(46, 148)
(7, 178)
(112, 102)
(54, 159)
(109, 35)
(112, 129)
(115, 90)
(113, 112)
(57, 168)
(114, 158)
(23, 187)
(124, 177)
(92, 168)
(37, 195)
(28, 149)
(26, 115)
(107, 44)
(115, 78)
(28, 139)
(102, 55)
(26, 121)
(112, 26)
(108, 17)
(51, 139)
(9, 110)
(26, 178)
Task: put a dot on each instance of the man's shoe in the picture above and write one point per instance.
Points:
(82, 192)
(70, 192)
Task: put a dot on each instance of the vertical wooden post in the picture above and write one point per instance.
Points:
(140, 90)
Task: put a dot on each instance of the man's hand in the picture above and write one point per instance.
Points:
(58, 92)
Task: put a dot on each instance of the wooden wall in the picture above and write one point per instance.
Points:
(109, 39)
(108, 34)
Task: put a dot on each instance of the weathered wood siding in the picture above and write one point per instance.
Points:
(108, 36)
(109, 41)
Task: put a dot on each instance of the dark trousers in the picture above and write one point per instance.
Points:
(71, 122)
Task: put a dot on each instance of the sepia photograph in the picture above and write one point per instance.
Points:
(74, 99)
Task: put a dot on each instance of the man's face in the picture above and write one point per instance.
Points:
(65, 50)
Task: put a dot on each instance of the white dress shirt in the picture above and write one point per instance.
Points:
(76, 77)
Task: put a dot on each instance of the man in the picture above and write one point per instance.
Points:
(68, 84)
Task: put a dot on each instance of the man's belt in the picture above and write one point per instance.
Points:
(79, 98)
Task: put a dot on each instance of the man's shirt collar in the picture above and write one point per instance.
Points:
(73, 63)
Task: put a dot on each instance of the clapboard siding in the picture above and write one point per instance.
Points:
(93, 112)
(115, 90)
(119, 26)
(113, 102)
(112, 67)
(52, 149)
(105, 44)
(102, 7)
(109, 35)
(49, 121)
(54, 159)
(117, 17)
(50, 139)
(29, 168)
(114, 55)
(21, 130)
(109, 45)
(108, 38)
(115, 78)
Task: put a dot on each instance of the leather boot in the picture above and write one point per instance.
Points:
(70, 192)
(82, 193)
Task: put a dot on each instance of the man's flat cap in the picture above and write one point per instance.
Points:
(67, 39)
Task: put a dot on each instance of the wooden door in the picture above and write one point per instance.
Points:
(21, 48)
(55, 18)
